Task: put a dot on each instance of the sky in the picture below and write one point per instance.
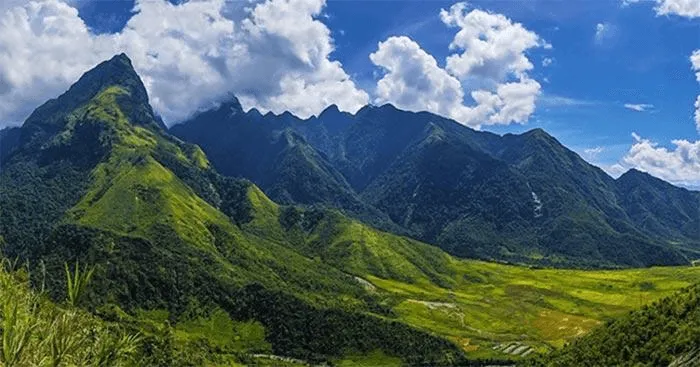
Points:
(618, 81)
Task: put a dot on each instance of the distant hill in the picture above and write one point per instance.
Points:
(517, 198)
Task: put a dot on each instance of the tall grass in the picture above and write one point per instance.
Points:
(38, 332)
(76, 283)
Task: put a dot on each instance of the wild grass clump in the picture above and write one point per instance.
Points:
(38, 332)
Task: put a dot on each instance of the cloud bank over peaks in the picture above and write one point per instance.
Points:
(489, 66)
(275, 55)
(680, 165)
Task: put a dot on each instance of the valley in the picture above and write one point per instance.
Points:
(498, 305)
(210, 255)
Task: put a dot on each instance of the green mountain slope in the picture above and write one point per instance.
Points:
(666, 333)
(660, 209)
(491, 310)
(517, 198)
(96, 179)
(9, 138)
(277, 159)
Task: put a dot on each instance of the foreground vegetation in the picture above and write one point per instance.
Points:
(38, 332)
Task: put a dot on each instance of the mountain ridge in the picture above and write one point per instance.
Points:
(95, 179)
(439, 182)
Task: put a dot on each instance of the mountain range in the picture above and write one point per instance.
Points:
(93, 177)
(237, 236)
(515, 198)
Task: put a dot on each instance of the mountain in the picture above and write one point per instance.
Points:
(659, 208)
(517, 198)
(95, 179)
(9, 138)
(666, 333)
(277, 158)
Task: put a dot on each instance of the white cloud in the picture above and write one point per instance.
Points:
(550, 100)
(489, 66)
(615, 170)
(604, 32)
(683, 8)
(275, 55)
(43, 45)
(629, 2)
(695, 61)
(679, 165)
(547, 61)
(639, 107)
(592, 153)
(415, 81)
(494, 47)
(697, 113)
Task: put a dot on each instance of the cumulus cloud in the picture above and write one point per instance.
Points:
(43, 46)
(488, 65)
(493, 46)
(275, 55)
(639, 107)
(695, 62)
(679, 165)
(414, 80)
(547, 61)
(683, 8)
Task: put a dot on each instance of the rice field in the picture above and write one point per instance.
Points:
(508, 312)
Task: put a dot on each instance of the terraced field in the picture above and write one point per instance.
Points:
(506, 312)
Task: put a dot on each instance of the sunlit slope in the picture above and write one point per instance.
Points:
(491, 310)
(97, 180)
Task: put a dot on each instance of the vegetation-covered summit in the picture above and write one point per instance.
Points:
(96, 179)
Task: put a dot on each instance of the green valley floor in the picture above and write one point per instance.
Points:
(501, 311)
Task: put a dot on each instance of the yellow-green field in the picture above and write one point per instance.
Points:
(507, 311)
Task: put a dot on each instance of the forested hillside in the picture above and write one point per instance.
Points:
(665, 333)
(95, 179)
(517, 198)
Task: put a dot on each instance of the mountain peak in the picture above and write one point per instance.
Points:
(232, 104)
(115, 72)
(330, 111)
(537, 132)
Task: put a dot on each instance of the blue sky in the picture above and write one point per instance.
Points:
(642, 60)
(599, 71)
